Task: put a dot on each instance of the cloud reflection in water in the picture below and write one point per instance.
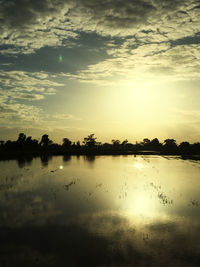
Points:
(112, 215)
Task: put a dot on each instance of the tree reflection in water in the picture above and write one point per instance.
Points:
(99, 211)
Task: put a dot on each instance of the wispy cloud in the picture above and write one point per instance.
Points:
(18, 86)
(19, 115)
(24, 85)
(64, 116)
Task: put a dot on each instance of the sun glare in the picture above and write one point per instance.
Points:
(139, 106)
(140, 204)
(138, 165)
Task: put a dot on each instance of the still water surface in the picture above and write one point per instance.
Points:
(100, 211)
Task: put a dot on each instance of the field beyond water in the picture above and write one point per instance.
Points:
(128, 210)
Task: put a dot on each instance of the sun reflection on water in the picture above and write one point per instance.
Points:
(138, 165)
(138, 209)
(140, 205)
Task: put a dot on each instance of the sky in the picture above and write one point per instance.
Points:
(116, 68)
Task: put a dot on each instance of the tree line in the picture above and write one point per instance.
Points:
(26, 145)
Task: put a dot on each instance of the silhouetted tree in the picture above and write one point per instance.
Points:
(90, 141)
(2, 142)
(26, 145)
(115, 142)
(146, 141)
(45, 141)
(66, 142)
(125, 142)
(155, 142)
(74, 145)
(196, 148)
(169, 142)
(8, 144)
(184, 147)
(29, 139)
(21, 140)
(170, 145)
(78, 144)
(31, 143)
(21, 137)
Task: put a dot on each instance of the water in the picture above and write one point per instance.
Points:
(100, 211)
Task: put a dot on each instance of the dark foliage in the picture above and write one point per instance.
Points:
(26, 146)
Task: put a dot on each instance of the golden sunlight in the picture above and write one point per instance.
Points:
(139, 166)
(141, 204)
(140, 106)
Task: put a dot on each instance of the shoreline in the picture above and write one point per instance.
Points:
(26, 155)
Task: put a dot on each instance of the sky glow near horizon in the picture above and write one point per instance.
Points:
(119, 69)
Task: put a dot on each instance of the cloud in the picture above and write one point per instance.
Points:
(28, 79)
(30, 25)
(144, 62)
(18, 86)
(63, 116)
(19, 115)
(151, 34)
(31, 86)
(29, 97)
(188, 117)
(115, 15)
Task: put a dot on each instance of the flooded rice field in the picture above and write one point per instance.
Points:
(100, 211)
